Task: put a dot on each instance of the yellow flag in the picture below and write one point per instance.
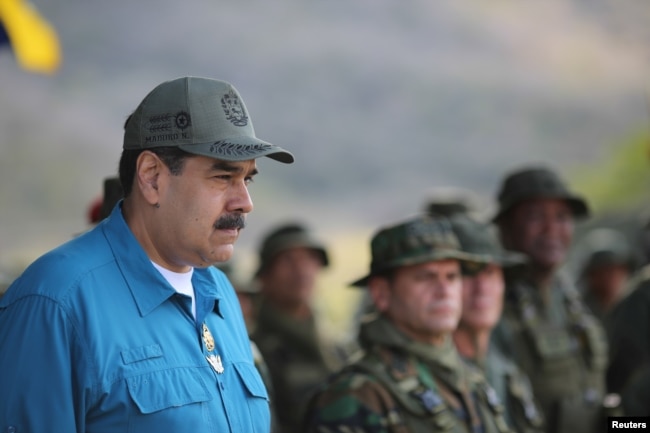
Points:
(33, 40)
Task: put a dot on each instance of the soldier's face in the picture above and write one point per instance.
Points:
(290, 278)
(423, 301)
(483, 298)
(542, 229)
(608, 281)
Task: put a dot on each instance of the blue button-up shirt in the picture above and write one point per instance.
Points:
(94, 339)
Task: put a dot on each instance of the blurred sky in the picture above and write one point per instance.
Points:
(379, 100)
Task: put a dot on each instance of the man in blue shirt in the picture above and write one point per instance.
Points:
(128, 327)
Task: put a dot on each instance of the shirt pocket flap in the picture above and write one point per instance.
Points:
(159, 390)
(252, 380)
(142, 353)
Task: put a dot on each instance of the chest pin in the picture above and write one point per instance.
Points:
(208, 341)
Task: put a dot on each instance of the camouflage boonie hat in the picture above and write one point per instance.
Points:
(289, 236)
(201, 116)
(537, 182)
(418, 240)
(480, 240)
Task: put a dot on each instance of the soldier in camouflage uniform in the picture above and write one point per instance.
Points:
(546, 327)
(410, 377)
(635, 395)
(606, 269)
(482, 306)
(629, 336)
(285, 332)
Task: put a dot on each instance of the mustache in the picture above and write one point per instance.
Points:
(231, 221)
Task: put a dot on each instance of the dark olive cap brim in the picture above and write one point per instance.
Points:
(284, 242)
(533, 183)
(322, 255)
(578, 206)
(240, 148)
(504, 259)
(479, 240)
(435, 256)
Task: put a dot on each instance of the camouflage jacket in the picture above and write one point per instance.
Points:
(400, 386)
(636, 394)
(513, 387)
(562, 348)
(629, 333)
(296, 362)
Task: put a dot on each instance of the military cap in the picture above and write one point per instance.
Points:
(202, 116)
(480, 240)
(603, 246)
(537, 182)
(288, 236)
(447, 201)
(418, 240)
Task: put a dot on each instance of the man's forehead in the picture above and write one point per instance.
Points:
(543, 203)
(435, 265)
(220, 164)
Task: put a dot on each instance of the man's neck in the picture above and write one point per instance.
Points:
(472, 344)
(300, 311)
(542, 277)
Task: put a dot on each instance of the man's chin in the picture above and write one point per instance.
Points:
(222, 254)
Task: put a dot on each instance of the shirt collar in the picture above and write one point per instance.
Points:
(148, 287)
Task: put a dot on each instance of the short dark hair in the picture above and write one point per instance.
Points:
(173, 157)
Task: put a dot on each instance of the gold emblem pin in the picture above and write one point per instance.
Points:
(207, 338)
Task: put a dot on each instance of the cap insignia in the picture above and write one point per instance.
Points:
(234, 109)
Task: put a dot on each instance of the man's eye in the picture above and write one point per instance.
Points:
(249, 180)
(453, 277)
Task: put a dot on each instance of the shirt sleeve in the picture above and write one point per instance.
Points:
(40, 368)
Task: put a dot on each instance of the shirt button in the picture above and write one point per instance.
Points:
(11, 429)
(222, 385)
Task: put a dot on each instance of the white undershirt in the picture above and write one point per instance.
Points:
(182, 283)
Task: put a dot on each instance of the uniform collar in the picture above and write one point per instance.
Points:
(148, 287)
(381, 331)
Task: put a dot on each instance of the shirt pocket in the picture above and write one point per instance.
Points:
(167, 400)
(257, 395)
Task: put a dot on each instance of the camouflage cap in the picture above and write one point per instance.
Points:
(418, 240)
(537, 182)
(201, 116)
(287, 236)
(480, 240)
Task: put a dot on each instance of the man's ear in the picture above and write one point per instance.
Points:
(147, 175)
(379, 288)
